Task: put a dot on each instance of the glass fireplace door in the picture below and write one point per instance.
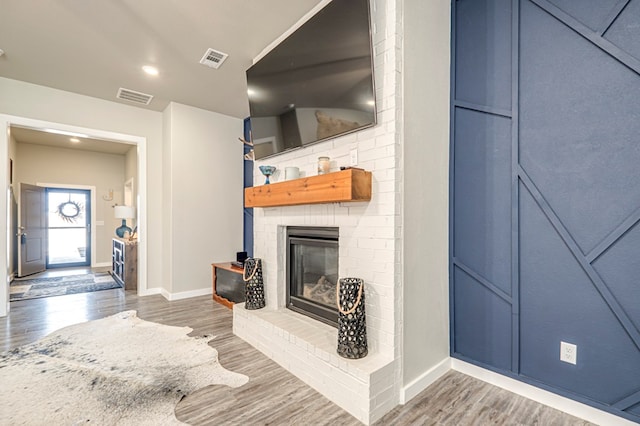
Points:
(312, 277)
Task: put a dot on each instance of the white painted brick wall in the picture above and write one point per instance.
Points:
(370, 244)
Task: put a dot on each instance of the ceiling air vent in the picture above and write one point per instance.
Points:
(133, 96)
(213, 58)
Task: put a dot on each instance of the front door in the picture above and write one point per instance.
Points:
(32, 237)
(68, 227)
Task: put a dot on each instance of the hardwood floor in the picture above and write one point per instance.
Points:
(273, 396)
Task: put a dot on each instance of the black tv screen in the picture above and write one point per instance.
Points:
(317, 84)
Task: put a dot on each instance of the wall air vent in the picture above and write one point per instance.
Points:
(213, 58)
(133, 96)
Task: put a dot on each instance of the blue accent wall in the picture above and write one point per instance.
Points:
(247, 213)
(545, 194)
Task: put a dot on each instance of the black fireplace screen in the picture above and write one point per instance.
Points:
(312, 272)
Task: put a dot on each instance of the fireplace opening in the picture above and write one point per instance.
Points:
(312, 272)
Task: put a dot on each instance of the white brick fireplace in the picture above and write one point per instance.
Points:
(369, 248)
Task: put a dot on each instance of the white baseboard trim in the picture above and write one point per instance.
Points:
(408, 392)
(542, 396)
(101, 265)
(186, 294)
(165, 294)
(150, 292)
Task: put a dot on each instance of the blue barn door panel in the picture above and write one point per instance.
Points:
(616, 265)
(625, 31)
(482, 323)
(578, 146)
(592, 13)
(558, 302)
(483, 26)
(482, 238)
(579, 130)
(545, 194)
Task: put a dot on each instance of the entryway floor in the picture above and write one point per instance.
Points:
(60, 282)
(63, 272)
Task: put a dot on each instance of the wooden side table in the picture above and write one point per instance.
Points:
(228, 285)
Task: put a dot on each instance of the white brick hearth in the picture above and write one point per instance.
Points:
(307, 348)
(370, 247)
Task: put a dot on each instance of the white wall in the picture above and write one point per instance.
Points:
(43, 164)
(131, 171)
(426, 190)
(167, 255)
(131, 165)
(266, 127)
(195, 218)
(42, 103)
(205, 160)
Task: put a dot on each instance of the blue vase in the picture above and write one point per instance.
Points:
(267, 171)
(123, 229)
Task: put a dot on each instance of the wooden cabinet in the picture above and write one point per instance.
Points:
(125, 263)
(228, 285)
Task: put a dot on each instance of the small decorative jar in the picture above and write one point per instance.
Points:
(323, 165)
(291, 173)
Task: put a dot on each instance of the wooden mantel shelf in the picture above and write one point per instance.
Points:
(343, 186)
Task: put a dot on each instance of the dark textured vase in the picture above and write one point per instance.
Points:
(352, 325)
(253, 285)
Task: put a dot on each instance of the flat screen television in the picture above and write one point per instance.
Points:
(315, 85)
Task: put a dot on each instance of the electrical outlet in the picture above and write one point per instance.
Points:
(353, 157)
(568, 352)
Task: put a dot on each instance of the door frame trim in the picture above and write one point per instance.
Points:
(92, 196)
(141, 146)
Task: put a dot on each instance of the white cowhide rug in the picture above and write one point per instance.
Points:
(116, 370)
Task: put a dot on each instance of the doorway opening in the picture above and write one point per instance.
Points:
(8, 206)
(68, 227)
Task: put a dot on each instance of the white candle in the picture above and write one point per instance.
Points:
(323, 165)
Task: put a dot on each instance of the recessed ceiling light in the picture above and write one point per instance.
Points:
(371, 103)
(150, 70)
(75, 140)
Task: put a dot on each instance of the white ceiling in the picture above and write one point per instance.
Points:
(36, 137)
(96, 47)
